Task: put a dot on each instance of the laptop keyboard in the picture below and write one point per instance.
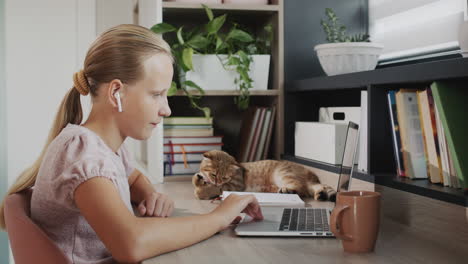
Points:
(304, 219)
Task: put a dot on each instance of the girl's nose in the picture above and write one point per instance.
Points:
(165, 110)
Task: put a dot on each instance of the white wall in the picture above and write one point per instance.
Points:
(45, 44)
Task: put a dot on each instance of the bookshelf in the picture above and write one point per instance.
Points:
(226, 117)
(344, 90)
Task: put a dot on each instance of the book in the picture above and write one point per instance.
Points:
(181, 157)
(193, 140)
(184, 148)
(181, 168)
(258, 128)
(450, 98)
(430, 99)
(443, 151)
(362, 151)
(411, 135)
(272, 199)
(205, 132)
(270, 131)
(263, 134)
(187, 126)
(246, 132)
(432, 160)
(392, 108)
(188, 120)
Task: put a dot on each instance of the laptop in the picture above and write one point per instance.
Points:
(304, 221)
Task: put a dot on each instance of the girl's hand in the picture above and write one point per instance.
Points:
(156, 204)
(228, 211)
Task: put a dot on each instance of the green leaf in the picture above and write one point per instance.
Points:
(179, 36)
(208, 11)
(219, 41)
(195, 31)
(214, 25)
(233, 61)
(198, 42)
(172, 90)
(162, 28)
(187, 54)
(244, 75)
(194, 85)
(207, 111)
(240, 35)
(179, 60)
(244, 57)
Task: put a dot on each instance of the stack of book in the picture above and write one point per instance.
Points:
(429, 133)
(255, 133)
(185, 141)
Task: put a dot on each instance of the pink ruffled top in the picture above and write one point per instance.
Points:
(76, 155)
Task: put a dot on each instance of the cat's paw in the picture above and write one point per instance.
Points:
(286, 190)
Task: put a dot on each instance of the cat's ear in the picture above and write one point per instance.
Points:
(237, 167)
(207, 155)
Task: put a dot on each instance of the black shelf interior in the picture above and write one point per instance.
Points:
(405, 74)
(420, 186)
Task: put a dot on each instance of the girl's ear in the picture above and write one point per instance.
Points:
(113, 87)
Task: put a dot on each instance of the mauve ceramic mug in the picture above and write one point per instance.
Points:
(355, 220)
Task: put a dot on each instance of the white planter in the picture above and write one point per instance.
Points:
(210, 74)
(347, 57)
(463, 39)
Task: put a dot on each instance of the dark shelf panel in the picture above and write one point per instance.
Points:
(420, 187)
(327, 167)
(424, 188)
(414, 73)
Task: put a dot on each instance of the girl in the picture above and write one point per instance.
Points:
(84, 181)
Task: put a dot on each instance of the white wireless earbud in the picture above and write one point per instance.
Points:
(119, 103)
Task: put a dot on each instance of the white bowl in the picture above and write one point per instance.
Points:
(348, 57)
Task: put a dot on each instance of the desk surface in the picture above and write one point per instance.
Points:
(396, 243)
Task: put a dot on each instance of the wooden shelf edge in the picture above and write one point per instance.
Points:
(419, 187)
(246, 7)
(231, 93)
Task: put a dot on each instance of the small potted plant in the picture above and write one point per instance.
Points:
(345, 54)
(209, 58)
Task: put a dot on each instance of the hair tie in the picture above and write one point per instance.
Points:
(80, 82)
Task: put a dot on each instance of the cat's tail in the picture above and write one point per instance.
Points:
(321, 192)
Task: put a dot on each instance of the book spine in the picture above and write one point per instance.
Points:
(435, 136)
(395, 134)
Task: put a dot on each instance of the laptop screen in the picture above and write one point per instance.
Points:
(349, 154)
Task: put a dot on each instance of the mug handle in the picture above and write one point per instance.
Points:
(336, 219)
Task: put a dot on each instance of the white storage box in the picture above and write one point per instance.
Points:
(346, 114)
(331, 114)
(320, 141)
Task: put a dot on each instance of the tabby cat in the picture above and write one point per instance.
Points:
(220, 172)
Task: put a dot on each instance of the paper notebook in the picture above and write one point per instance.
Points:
(272, 199)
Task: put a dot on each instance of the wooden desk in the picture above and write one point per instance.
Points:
(396, 242)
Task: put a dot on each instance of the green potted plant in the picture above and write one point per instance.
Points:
(208, 58)
(345, 54)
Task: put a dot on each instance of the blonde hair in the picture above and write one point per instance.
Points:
(118, 53)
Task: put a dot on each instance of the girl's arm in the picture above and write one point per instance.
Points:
(139, 186)
(149, 202)
(133, 239)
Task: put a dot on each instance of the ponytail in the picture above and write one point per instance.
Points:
(69, 112)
